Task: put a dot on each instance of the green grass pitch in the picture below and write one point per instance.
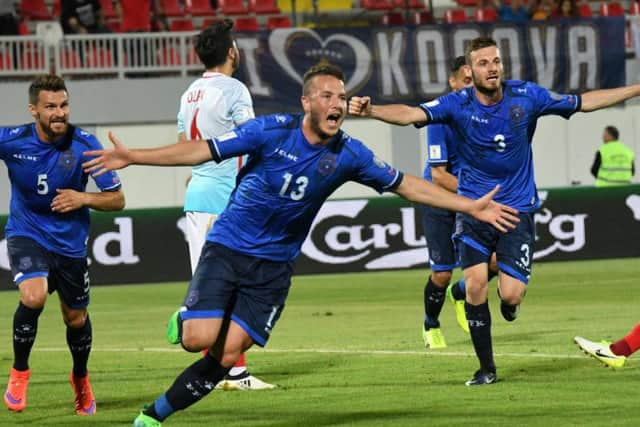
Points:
(348, 352)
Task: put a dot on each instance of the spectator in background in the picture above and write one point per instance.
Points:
(541, 10)
(566, 9)
(8, 18)
(614, 163)
(81, 17)
(134, 14)
(515, 12)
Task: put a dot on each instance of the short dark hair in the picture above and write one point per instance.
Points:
(49, 82)
(322, 68)
(613, 131)
(477, 44)
(457, 63)
(213, 43)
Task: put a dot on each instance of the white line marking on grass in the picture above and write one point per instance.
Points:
(330, 351)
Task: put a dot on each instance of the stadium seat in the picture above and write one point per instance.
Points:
(408, 4)
(470, 3)
(585, 10)
(611, 9)
(69, 58)
(171, 8)
(23, 28)
(114, 25)
(55, 9)
(247, 24)
(34, 9)
(232, 7)
(392, 19)
(6, 61)
(455, 16)
(274, 22)
(200, 7)
(376, 4)
(168, 56)
(181, 24)
(485, 14)
(209, 21)
(98, 58)
(634, 8)
(422, 17)
(263, 7)
(108, 12)
(31, 59)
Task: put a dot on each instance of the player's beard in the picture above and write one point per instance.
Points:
(314, 122)
(487, 91)
(48, 130)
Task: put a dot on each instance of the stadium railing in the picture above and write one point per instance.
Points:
(108, 55)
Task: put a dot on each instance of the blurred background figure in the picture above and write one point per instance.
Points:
(614, 162)
(81, 17)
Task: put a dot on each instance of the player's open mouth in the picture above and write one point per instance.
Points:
(492, 78)
(333, 119)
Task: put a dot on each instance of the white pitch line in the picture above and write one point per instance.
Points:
(329, 351)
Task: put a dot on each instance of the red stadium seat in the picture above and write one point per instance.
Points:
(585, 10)
(408, 4)
(634, 8)
(470, 3)
(485, 14)
(392, 19)
(209, 21)
(98, 58)
(376, 4)
(274, 22)
(108, 12)
(56, 9)
(69, 58)
(247, 24)
(181, 24)
(34, 9)
(6, 60)
(455, 16)
(200, 7)
(232, 7)
(611, 9)
(168, 56)
(23, 28)
(422, 17)
(171, 8)
(263, 7)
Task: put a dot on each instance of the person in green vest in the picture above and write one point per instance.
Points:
(614, 163)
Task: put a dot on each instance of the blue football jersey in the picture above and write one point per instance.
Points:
(36, 170)
(285, 182)
(442, 150)
(495, 140)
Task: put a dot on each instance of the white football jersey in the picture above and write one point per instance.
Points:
(211, 106)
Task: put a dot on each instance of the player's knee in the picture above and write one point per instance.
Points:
(441, 278)
(193, 341)
(511, 296)
(34, 300)
(75, 319)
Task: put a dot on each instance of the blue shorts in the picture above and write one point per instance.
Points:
(68, 276)
(250, 291)
(477, 240)
(438, 226)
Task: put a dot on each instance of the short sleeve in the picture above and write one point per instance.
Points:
(437, 153)
(245, 139)
(109, 181)
(242, 108)
(549, 102)
(375, 173)
(440, 109)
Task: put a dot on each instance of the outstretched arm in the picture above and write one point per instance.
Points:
(397, 114)
(602, 98)
(178, 154)
(69, 200)
(418, 190)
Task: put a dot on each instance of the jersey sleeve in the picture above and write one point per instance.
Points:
(376, 173)
(109, 181)
(245, 139)
(549, 102)
(242, 108)
(440, 109)
(4, 134)
(437, 153)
